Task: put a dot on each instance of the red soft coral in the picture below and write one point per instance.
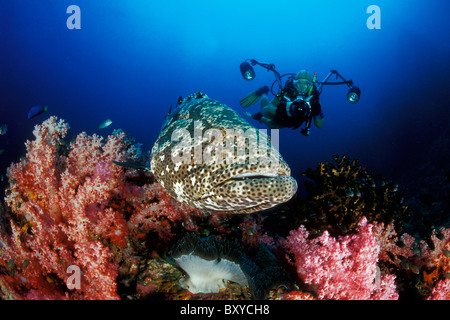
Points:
(71, 206)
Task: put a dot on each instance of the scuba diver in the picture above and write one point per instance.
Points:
(296, 102)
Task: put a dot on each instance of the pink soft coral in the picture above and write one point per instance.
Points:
(343, 268)
(441, 291)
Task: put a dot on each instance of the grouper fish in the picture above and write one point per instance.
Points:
(208, 157)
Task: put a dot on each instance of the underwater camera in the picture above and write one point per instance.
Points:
(248, 73)
(299, 107)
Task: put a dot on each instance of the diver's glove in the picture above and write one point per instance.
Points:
(257, 116)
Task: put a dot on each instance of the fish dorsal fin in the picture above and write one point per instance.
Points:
(196, 95)
(168, 113)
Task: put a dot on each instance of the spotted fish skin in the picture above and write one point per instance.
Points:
(247, 184)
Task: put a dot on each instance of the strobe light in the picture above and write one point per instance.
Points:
(247, 71)
(353, 94)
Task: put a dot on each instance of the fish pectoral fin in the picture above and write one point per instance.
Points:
(201, 196)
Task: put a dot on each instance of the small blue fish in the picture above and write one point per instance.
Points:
(105, 124)
(36, 110)
(3, 129)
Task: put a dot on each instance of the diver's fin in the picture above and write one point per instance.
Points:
(253, 97)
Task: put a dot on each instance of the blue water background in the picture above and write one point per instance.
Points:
(131, 60)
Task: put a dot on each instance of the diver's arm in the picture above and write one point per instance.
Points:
(276, 100)
(318, 120)
(317, 114)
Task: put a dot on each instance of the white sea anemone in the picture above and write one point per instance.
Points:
(209, 275)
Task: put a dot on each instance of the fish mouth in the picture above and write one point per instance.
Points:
(249, 176)
(253, 191)
(268, 170)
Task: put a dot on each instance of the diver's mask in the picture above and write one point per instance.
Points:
(303, 86)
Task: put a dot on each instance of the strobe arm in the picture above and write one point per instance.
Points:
(338, 75)
(269, 67)
(353, 94)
